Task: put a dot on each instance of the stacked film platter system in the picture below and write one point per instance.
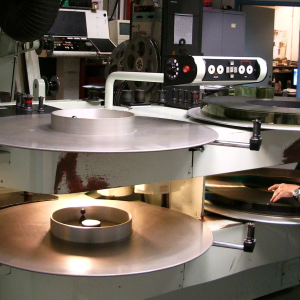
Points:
(239, 111)
(244, 195)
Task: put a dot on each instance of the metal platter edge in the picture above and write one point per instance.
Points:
(247, 216)
(161, 238)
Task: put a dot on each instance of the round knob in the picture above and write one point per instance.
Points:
(82, 218)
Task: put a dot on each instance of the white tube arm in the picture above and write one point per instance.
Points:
(130, 76)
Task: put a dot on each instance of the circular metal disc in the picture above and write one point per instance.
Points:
(161, 238)
(93, 224)
(248, 216)
(92, 121)
(12, 198)
(150, 134)
(281, 113)
(244, 195)
(281, 105)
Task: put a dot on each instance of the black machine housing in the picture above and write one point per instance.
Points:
(175, 27)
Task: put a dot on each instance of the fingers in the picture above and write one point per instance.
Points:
(276, 196)
(274, 187)
(282, 190)
(278, 191)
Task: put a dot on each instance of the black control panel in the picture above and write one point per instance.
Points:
(73, 44)
(175, 26)
(231, 69)
(185, 69)
(180, 70)
(181, 27)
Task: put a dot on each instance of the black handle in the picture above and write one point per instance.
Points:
(256, 140)
(250, 241)
(41, 104)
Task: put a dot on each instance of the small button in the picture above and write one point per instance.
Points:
(186, 69)
(211, 69)
(242, 69)
(249, 69)
(220, 69)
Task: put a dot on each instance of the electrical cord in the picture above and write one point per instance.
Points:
(118, 93)
(115, 7)
(62, 3)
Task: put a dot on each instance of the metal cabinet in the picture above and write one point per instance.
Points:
(223, 32)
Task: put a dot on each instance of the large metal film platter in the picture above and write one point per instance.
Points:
(244, 196)
(161, 238)
(282, 113)
(101, 131)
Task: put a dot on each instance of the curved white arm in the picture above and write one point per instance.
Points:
(130, 76)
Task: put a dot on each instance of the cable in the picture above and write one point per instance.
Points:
(116, 4)
(62, 3)
(119, 92)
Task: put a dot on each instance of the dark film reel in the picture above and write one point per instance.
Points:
(141, 55)
(116, 60)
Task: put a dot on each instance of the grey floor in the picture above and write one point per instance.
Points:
(287, 294)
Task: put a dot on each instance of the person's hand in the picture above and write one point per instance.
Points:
(282, 190)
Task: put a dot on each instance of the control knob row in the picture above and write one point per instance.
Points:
(220, 69)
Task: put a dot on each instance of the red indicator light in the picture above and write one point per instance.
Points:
(186, 69)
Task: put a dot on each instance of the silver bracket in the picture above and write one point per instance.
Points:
(230, 144)
(249, 241)
(254, 143)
